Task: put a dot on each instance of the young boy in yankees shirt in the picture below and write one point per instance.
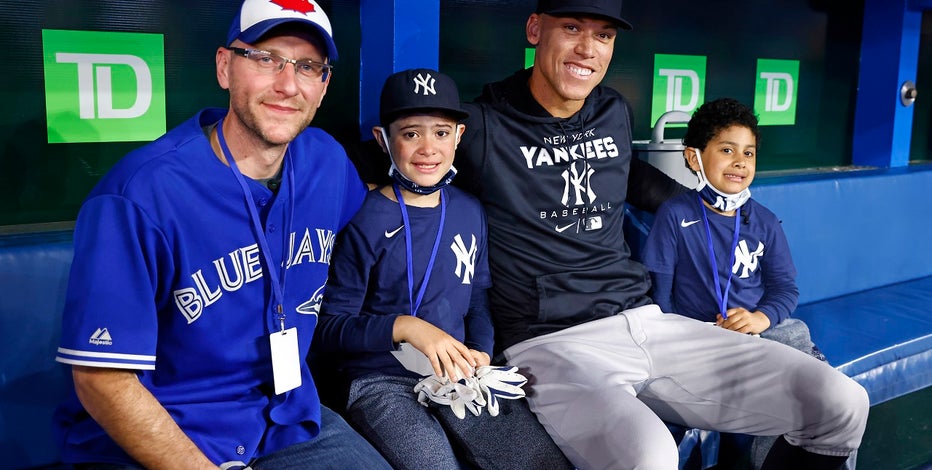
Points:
(411, 267)
(717, 255)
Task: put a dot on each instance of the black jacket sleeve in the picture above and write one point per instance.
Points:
(649, 187)
(370, 161)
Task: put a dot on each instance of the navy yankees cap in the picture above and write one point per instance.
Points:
(419, 90)
(257, 17)
(609, 9)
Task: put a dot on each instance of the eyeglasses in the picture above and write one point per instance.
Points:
(270, 63)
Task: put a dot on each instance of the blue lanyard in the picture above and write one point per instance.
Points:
(416, 303)
(277, 286)
(720, 294)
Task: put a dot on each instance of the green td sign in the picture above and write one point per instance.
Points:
(103, 86)
(679, 84)
(775, 91)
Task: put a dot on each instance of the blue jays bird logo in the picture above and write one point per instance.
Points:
(312, 306)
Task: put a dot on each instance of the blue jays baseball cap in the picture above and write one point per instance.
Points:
(257, 17)
(415, 90)
(608, 9)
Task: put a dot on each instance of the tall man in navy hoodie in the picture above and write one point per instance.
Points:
(548, 152)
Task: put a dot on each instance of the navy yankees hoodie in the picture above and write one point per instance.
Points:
(554, 191)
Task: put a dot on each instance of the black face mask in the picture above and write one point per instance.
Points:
(405, 183)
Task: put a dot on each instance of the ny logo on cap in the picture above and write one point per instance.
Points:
(427, 82)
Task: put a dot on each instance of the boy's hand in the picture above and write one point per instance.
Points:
(481, 358)
(743, 321)
(445, 353)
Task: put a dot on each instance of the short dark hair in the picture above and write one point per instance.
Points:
(716, 116)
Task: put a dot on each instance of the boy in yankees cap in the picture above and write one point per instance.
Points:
(411, 269)
(185, 335)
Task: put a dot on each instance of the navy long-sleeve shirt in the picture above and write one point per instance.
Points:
(763, 276)
(368, 285)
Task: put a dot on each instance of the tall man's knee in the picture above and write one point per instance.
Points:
(841, 421)
(855, 406)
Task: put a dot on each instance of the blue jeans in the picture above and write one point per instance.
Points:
(411, 436)
(337, 447)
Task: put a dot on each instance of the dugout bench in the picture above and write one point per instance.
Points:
(859, 241)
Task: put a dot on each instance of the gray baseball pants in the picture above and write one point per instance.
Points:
(601, 389)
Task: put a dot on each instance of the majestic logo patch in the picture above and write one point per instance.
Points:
(101, 337)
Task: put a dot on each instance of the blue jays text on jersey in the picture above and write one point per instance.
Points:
(239, 267)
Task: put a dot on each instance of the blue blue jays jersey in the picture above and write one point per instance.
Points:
(368, 286)
(168, 280)
(761, 268)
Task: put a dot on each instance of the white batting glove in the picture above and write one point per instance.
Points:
(459, 396)
(429, 389)
(465, 397)
(499, 383)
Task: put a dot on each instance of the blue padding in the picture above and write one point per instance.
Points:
(854, 231)
(33, 277)
(881, 337)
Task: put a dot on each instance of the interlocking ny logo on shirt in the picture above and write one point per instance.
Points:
(465, 258)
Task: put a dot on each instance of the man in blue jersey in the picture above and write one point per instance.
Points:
(548, 153)
(200, 262)
(411, 267)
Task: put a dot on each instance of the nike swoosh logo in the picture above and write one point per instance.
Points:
(562, 229)
(684, 223)
(393, 232)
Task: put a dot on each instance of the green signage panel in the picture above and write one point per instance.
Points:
(775, 91)
(679, 84)
(103, 86)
